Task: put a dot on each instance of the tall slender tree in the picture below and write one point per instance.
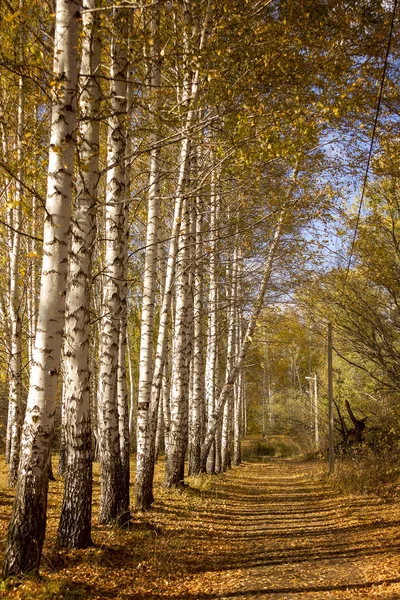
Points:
(151, 261)
(211, 354)
(75, 523)
(188, 101)
(227, 388)
(181, 359)
(28, 522)
(15, 378)
(197, 396)
(114, 496)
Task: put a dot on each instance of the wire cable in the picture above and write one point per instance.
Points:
(371, 147)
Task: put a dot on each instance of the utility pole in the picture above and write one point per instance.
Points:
(264, 392)
(316, 427)
(330, 401)
(313, 390)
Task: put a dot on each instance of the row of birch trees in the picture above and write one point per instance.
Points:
(183, 168)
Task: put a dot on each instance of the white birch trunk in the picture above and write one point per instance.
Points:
(122, 399)
(28, 522)
(63, 445)
(114, 501)
(211, 355)
(189, 97)
(74, 529)
(174, 473)
(144, 495)
(244, 405)
(166, 398)
(197, 399)
(247, 339)
(230, 359)
(132, 395)
(237, 409)
(159, 432)
(15, 382)
(32, 291)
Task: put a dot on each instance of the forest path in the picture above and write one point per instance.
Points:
(274, 530)
(263, 530)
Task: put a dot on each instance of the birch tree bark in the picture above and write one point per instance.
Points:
(165, 398)
(226, 458)
(15, 383)
(188, 99)
(144, 496)
(6, 298)
(197, 398)
(114, 500)
(237, 408)
(174, 473)
(74, 529)
(122, 394)
(33, 277)
(132, 395)
(211, 354)
(247, 339)
(63, 441)
(28, 521)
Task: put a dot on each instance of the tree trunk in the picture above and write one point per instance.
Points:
(15, 382)
(122, 399)
(28, 521)
(114, 501)
(230, 359)
(237, 409)
(63, 441)
(211, 355)
(174, 474)
(197, 399)
(166, 398)
(230, 380)
(160, 432)
(189, 97)
(144, 494)
(132, 395)
(74, 530)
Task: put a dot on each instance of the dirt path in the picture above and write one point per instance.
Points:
(271, 530)
(281, 535)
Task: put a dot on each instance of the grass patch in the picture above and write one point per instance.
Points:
(274, 446)
(369, 472)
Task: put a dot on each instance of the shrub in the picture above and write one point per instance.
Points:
(369, 471)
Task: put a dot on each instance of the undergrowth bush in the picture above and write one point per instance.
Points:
(257, 449)
(369, 471)
(281, 446)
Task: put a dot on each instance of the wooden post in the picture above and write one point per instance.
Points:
(316, 427)
(264, 391)
(330, 401)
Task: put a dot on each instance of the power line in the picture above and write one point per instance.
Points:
(371, 147)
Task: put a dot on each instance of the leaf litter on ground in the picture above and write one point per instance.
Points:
(277, 529)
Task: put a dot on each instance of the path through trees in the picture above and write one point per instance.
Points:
(264, 530)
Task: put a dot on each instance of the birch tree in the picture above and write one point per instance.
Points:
(114, 495)
(151, 256)
(28, 521)
(181, 358)
(145, 468)
(197, 396)
(237, 405)
(15, 415)
(211, 353)
(227, 388)
(227, 423)
(75, 524)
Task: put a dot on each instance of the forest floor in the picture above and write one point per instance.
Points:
(273, 529)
